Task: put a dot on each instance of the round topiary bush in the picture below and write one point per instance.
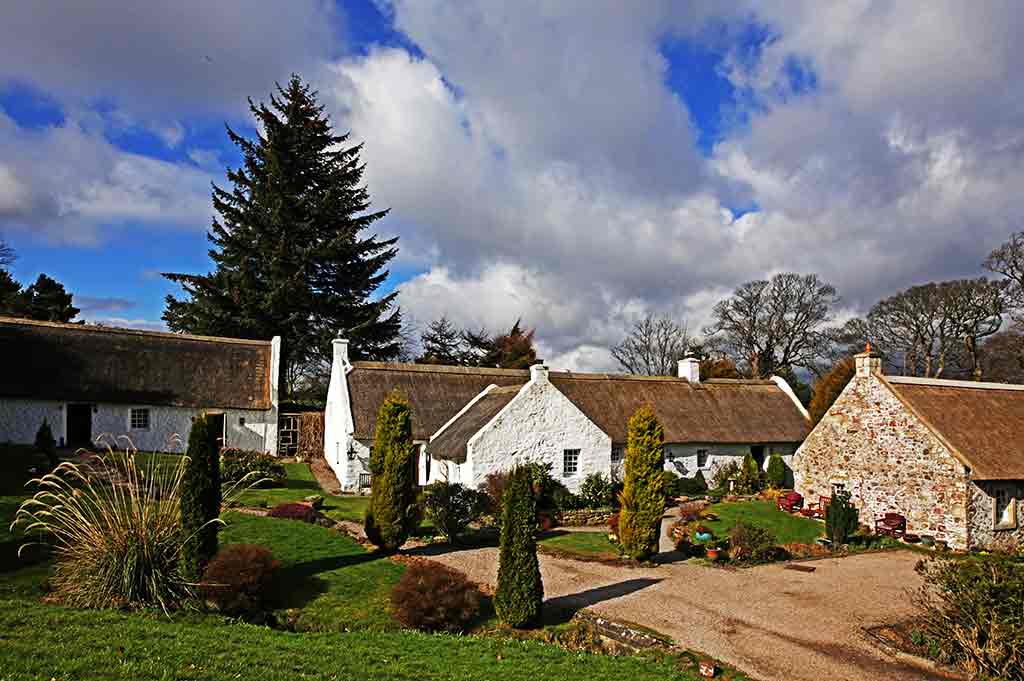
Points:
(434, 597)
(238, 579)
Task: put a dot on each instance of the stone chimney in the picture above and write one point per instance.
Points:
(538, 373)
(868, 362)
(689, 369)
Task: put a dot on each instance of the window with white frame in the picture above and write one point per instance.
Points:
(618, 454)
(702, 458)
(139, 419)
(570, 462)
(1005, 510)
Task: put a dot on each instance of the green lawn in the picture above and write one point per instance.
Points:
(588, 544)
(787, 528)
(300, 484)
(335, 582)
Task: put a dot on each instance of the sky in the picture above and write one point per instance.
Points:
(576, 165)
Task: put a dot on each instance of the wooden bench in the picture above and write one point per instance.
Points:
(891, 524)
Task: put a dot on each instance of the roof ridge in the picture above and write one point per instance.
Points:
(953, 383)
(439, 368)
(95, 328)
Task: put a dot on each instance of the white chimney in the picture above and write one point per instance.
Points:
(341, 352)
(868, 362)
(538, 373)
(689, 369)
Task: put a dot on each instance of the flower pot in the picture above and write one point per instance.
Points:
(702, 536)
(712, 554)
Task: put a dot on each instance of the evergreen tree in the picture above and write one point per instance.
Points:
(642, 500)
(391, 516)
(520, 592)
(749, 479)
(288, 247)
(841, 518)
(45, 444)
(200, 501)
(11, 301)
(443, 343)
(828, 388)
(46, 300)
(512, 350)
(776, 471)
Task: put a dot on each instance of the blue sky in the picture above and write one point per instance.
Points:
(577, 165)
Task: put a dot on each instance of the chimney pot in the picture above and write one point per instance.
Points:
(868, 362)
(538, 373)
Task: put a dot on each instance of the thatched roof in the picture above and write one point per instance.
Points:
(435, 393)
(452, 441)
(74, 362)
(983, 423)
(713, 412)
(718, 411)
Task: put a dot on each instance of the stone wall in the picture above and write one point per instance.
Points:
(981, 518)
(889, 462)
(586, 517)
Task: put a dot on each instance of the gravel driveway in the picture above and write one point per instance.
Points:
(770, 622)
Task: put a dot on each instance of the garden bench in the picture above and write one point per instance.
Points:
(791, 502)
(892, 524)
(817, 510)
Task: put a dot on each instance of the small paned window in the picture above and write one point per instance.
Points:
(139, 419)
(618, 454)
(570, 462)
(702, 458)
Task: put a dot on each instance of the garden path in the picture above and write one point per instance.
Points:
(771, 622)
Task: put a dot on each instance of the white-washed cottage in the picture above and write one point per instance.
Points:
(946, 455)
(88, 381)
(470, 421)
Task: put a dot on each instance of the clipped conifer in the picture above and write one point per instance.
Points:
(642, 500)
(391, 516)
(841, 518)
(200, 501)
(776, 471)
(45, 444)
(520, 591)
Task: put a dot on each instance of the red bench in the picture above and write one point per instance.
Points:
(817, 510)
(791, 502)
(892, 524)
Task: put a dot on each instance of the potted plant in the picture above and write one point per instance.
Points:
(713, 551)
(702, 534)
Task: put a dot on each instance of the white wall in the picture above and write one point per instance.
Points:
(20, 419)
(338, 427)
(537, 425)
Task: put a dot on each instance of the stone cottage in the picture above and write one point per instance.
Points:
(88, 381)
(945, 454)
(472, 421)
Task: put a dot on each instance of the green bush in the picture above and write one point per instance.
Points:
(776, 472)
(259, 469)
(692, 486)
(642, 501)
(434, 597)
(596, 491)
(750, 543)
(238, 579)
(451, 506)
(973, 609)
(841, 518)
(45, 444)
(520, 592)
(749, 480)
(200, 501)
(392, 514)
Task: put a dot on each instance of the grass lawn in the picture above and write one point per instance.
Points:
(333, 582)
(588, 544)
(786, 527)
(300, 484)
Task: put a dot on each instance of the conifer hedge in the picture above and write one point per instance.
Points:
(642, 499)
(200, 501)
(520, 591)
(392, 515)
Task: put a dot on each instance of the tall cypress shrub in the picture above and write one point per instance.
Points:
(391, 516)
(520, 591)
(776, 471)
(200, 501)
(642, 499)
(45, 444)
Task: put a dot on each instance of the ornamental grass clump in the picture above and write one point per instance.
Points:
(115, 531)
(642, 502)
(392, 514)
(520, 592)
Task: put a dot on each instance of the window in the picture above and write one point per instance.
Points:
(1005, 510)
(570, 462)
(618, 454)
(139, 419)
(241, 420)
(702, 458)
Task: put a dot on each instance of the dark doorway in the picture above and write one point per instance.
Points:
(757, 451)
(215, 427)
(79, 425)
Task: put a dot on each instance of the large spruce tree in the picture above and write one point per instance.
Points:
(289, 246)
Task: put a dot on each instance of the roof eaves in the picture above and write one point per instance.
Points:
(458, 415)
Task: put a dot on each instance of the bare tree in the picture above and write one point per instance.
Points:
(653, 347)
(1008, 260)
(778, 324)
(7, 255)
(975, 308)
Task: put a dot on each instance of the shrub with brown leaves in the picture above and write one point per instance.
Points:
(238, 578)
(434, 597)
(295, 511)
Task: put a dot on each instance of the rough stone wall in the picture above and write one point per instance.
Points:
(537, 425)
(888, 461)
(20, 420)
(587, 517)
(981, 519)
